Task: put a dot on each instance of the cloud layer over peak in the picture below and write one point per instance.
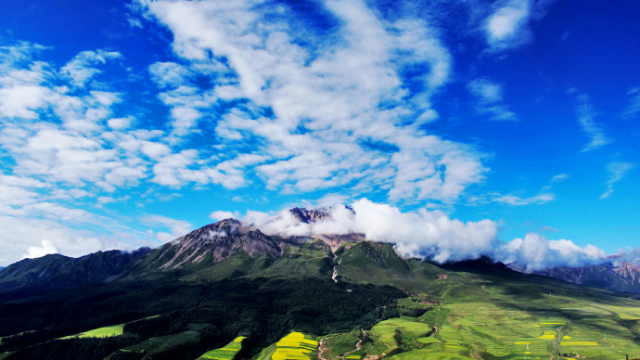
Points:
(431, 235)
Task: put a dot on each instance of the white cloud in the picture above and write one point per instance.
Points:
(489, 95)
(169, 74)
(22, 101)
(507, 26)
(22, 236)
(617, 170)
(633, 109)
(518, 201)
(328, 128)
(559, 178)
(83, 67)
(177, 227)
(222, 215)
(46, 248)
(420, 233)
(535, 252)
(120, 123)
(586, 118)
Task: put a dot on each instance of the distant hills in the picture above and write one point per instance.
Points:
(56, 271)
(615, 276)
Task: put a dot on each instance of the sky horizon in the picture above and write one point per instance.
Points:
(505, 127)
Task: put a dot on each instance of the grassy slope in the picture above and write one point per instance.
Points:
(504, 316)
(107, 331)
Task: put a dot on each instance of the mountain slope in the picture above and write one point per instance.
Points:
(623, 277)
(57, 271)
(211, 244)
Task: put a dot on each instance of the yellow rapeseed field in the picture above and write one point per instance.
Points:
(294, 346)
(579, 343)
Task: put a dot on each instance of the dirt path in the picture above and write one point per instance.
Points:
(334, 276)
(322, 347)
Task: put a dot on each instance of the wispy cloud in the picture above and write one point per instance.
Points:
(559, 178)
(176, 227)
(519, 201)
(617, 170)
(489, 96)
(586, 118)
(633, 109)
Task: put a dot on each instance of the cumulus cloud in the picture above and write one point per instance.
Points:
(535, 252)
(419, 233)
(432, 235)
(586, 118)
(222, 215)
(617, 170)
(46, 248)
(508, 25)
(83, 66)
(489, 95)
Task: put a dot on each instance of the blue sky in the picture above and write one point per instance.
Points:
(126, 124)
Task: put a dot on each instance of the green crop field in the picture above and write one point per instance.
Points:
(225, 353)
(103, 332)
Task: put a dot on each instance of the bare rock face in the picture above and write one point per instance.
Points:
(619, 277)
(215, 243)
(308, 216)
(316, 215)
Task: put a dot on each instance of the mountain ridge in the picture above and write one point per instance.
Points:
(231, 248)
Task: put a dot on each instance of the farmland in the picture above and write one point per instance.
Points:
(296, 345)
(103, 332)
(487, 322)
(225, 353)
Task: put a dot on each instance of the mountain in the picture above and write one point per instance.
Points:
(1, 267)
(211, 244)
(618, 276)
(308, 216)
(57, 271)
(348, 297)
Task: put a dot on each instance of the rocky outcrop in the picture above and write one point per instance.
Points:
(214, 243)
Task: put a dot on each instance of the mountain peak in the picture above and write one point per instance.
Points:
(214, 243)
(308, 216)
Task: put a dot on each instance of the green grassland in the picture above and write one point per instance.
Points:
(485, 317)
(103, 332)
